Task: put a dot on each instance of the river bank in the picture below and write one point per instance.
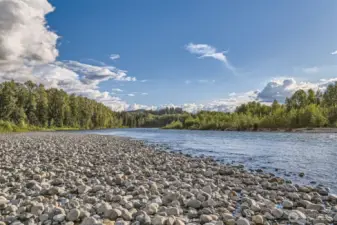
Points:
(64, 178)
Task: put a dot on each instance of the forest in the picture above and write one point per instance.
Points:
(30, 106)
(304, 109)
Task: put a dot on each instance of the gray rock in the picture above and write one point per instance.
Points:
(258, 219)
(89, 221)
(206, 218)
(59, 217)
(194, 203)
(113, 214)
(242, 221)
(287, 204)
(37, 209)
(277, 213)
(73, 214)
(158, 220)
(172, 211)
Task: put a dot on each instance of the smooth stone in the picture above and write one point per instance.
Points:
(242, 221)
(206, 218)
(287, 204)
(194, 203)
(113, 214)
(277, 213)
(37, 209)
(158, 220)
(59, 217)
(173, 211)
(73, 214)
(258, 219)
(89, 221)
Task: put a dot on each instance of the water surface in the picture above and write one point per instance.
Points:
(284, 154)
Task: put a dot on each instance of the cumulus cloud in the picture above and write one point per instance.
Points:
(314, 69)
(24, 36)
(334, 53)
(114, 56)
(277, 89)
(28, 52)
(282, 88)
(207, 51)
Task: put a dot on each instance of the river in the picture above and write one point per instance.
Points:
(284, 154)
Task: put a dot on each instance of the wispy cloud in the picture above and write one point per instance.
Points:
(207, 51)
(131, 95)
(144, 93)
(143, 81)
(334, 53)
(206, 81)
(314, 69)
(116, 90)
(114, 56)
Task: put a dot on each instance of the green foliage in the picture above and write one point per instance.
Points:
(301, 110)
(174, 125)
(27, 106)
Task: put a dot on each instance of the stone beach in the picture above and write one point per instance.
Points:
(63, 178)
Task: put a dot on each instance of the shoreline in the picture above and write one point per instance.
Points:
(68, 178)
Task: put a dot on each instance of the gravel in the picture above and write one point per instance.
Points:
(70, 179)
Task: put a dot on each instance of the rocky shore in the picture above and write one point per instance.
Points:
(63, 178)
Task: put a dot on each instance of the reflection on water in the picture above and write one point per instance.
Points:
(285, 154)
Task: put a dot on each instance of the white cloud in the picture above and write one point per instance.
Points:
(24, 35)
(206, 81)
(93, 73)
(116, 90)
(314, 69)
(139, 106)
(334, 53)
(207, 51)
(144, 93)
(28, 52)
(277, 89)
(131, 95)
(114, 56)
(143, 81)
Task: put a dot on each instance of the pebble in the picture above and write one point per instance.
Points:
(242, 221)
(66, 179)
(73, 214)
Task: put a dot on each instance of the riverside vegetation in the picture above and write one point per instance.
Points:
(302, 110)
(32, 107)
(66, 178)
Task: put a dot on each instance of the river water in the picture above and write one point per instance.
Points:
(284, 154)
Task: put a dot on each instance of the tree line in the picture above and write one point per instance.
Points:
(304, 109)
(32, 106)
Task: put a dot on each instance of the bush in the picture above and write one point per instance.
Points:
(174, 125)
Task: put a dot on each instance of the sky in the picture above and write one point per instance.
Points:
(199, 55)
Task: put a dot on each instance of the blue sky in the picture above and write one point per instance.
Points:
(263, 41)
